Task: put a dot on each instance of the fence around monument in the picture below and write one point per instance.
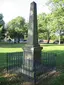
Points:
(15, 60)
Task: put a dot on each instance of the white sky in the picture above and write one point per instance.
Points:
(13, 8)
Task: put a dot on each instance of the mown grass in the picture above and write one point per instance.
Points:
(51, 48)
(6, 48)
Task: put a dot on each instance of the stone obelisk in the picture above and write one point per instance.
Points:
(32, 50)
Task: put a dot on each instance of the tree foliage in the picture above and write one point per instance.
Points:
(2, 28)
(50, 24)
(17, 28)
(58, 15)
(45, 26)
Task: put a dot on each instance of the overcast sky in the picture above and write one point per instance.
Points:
(13, 8)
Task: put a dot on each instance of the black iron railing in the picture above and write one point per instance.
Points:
(15, 62)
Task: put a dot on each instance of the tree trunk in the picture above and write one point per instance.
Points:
(14, 40)
(18, 40)
(59, 37)
(48, 38)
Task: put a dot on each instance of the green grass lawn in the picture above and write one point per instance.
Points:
(51, 48)
(7, 48)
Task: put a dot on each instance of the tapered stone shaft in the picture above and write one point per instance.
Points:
(32, 30)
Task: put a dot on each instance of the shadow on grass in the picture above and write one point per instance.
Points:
(11, 79)
(56, 79)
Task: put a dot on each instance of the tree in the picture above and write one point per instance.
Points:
(17, 28)
(45, 25)
(41, 26)
(58, 14)
(0, 32)
(2, 27)
(26, 30)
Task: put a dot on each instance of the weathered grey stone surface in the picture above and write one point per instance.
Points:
(32, 30)
(32, 51)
